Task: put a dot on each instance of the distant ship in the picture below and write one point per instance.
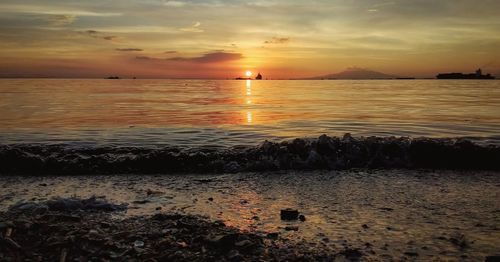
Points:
(258, 77)
(477, 75)
(113, 77)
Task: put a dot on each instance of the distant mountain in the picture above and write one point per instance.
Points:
(356, 73)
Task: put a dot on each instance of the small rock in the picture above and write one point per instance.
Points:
(158, 208)
(232, 167)
(459, 241)
(61, 217)
(182, 244)
(243, 243)
(223, 242)
(292, 228)
(365, 226)
(347, 138)
(302, 218)
(141, 201)
(93, 203)
(351, 254)
(273, 235)
(138, 243)
(411, 254)
(93, 233)
(313, 158)
(210, 199)
(289, 214)
(492, 259)
(234, 256)
(150, 192)
(105, 225)
(4, 225)
(29, 207)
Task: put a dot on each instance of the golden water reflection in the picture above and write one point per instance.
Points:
(276, 108)
(249, 114)
(249, 117)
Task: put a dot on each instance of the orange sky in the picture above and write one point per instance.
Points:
(218, 39)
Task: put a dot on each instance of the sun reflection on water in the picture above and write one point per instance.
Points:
(248, 100)
(249, 117)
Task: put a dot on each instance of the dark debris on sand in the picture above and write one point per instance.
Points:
(331, 153)
(82, 234)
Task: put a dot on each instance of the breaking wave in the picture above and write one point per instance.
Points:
(329, 153)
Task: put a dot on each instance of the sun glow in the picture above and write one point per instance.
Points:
(248, 73)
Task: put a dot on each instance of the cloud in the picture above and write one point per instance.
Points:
(61, 20)
(129, 49)
(41, 7)
(170, 52)
(99, 35)
(215, 57)
(278, 40)
(195, 28)
(110, 37)
(174, 3)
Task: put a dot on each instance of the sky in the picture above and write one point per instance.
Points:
(223, 39)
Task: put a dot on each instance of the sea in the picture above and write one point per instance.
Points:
(226, 113)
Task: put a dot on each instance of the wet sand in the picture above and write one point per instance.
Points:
(388, 214)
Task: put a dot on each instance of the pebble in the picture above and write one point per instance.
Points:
(411, 253)
(289, 214)
(138, 243)
(492, 259)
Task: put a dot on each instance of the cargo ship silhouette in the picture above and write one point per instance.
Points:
(477, 75)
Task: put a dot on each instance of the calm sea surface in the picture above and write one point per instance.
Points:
(227, 113)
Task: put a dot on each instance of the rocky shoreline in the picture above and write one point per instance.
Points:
(322, 153)
(85, 230)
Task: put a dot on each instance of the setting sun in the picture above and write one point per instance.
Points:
(248, 73)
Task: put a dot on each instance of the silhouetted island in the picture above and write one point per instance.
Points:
(113, 77)
(258, 77)
(477, 75)
(354, 73)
